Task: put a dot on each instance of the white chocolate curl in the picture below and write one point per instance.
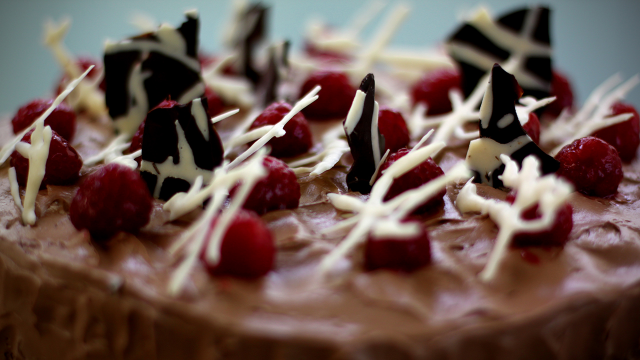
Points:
(374, 213)
(548, 192)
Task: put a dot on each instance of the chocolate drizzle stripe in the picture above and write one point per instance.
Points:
(142, 71)
(179, 144)
(363, 136)
(501, 132)
(520, 34)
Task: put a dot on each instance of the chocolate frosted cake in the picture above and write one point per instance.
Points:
(492, 237)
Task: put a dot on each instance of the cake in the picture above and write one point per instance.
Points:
(80, 293)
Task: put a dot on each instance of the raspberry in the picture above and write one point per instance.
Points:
(206, 60)
(394, 129)
(404, 254)
(557, 235)
(247, 248)
(278, 190)
(62, 120)
(84, 63)
(532, 127)
(136, 141)
(592, 165)
(112, 199)
(561, 89)
(421, 174)
(335, 97)
(62, 167)
(325, 55)
(433, 90)
(214, 101)
(296, 141)
(624, 136)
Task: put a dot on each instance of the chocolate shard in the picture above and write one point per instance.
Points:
(250, 32)
(363, 136)
(178, 145)
(502, 133)
(277, 65)
(144, 70)
(524, 32)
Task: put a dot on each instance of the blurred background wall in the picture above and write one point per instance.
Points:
(592, 39)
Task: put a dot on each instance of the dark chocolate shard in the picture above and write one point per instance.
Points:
(179, 143)
(276, 66)
(251, 30)
(144, 70)
(363, 136)
(524, 32)
(502, 133)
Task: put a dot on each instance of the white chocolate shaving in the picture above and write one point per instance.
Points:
(378, 167)
(594, 115)
(127, 160)
(113, 150)
(8, 148)
(234, 90)
(382, 37)
(37, 153)
(144, 22)
(374, 211)
(186, 168)
(464, 111)
(333, 149)
(279, 127)
(324, 38)
(194, 238)
(549, 192)
(87, 96)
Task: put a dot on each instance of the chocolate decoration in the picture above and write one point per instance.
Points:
(483, 46)
(501, 126)
(270, 81)
(361, 142)
(161, 141)
(169, 68)
(251, 32)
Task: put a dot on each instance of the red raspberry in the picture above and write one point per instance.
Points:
(165, 104)
(206, 60)
(394, 129)
(335, 98)
(62, 120)
(421, 174)
(84, 63)
(532, 127)
(112, 199)
(561, 89)
(325, 55)
(558, 235)
(279, 190)
(136, 141)
(296, 141)
(592, 165)
(406, 254)
(624, 136)
(433, 90)
(62, 167)
(214, 102)
(247, 248)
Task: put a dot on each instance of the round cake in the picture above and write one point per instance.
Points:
(144, 252)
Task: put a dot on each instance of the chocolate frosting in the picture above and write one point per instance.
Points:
(66, 297)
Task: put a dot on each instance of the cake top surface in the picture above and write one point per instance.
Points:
(295, 299)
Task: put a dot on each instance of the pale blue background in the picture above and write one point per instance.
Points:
(592, 39)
